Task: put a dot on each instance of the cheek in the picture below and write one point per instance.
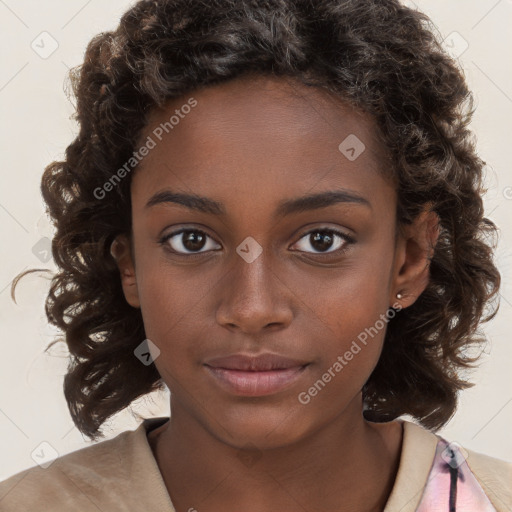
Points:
(346, 359)
(352, 315)
(348, 300)
(173, 310)
(166, 305)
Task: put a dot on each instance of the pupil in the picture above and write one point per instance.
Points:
(317, 240)
(193, 240)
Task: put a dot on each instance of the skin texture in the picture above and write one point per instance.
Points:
(251, 144)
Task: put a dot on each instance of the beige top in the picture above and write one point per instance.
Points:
(121, 474)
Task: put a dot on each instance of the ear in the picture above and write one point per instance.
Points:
(121, 252)
(415, 248)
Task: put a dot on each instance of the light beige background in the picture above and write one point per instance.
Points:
(36, 128)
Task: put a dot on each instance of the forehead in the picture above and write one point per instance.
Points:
(260, 136)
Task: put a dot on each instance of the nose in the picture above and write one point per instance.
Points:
(254, 297)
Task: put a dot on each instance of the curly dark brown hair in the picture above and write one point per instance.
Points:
(377, 55)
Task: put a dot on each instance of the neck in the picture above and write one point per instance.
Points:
(348, 465)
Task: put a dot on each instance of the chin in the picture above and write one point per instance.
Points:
(265, 429)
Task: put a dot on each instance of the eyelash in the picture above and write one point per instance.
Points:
(348, 241)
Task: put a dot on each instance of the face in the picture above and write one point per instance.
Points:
(259, 267)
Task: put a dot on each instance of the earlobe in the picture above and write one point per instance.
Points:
(415, 251)
(121, 252)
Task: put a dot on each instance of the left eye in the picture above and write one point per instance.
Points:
(188, 241)
(322, 240)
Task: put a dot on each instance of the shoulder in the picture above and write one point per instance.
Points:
(434, 471)
(494, 476)
(476, 480)
(108, 475)
(72, 480)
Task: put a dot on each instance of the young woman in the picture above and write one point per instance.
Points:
(274, 209)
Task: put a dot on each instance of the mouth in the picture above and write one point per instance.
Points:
(256, 382)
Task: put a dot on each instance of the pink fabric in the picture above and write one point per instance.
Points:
(451, 486)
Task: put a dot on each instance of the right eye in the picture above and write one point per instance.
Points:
(186, 239)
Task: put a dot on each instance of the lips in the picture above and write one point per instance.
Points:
(264, 374)
(262, 362)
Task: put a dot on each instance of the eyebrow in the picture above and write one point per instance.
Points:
(286, 207)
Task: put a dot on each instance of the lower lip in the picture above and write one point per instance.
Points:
(261, 383)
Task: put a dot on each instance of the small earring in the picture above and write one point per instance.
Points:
(399, 295)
